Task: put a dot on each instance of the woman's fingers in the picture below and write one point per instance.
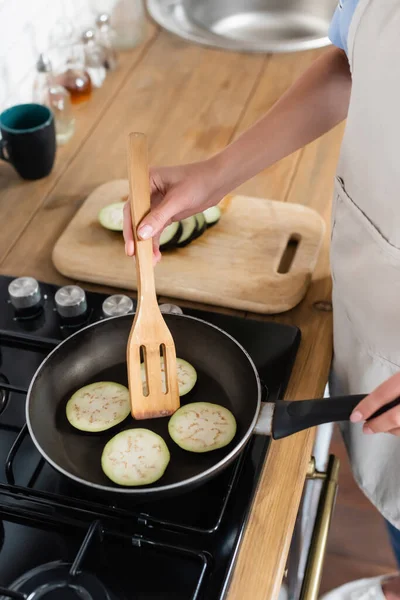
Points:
(160, 216)
(380, 397)
(385, 393)
(156, 249)
(389, 421)
(128, 237)
(127, 230)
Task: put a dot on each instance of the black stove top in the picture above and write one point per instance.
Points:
(60, 541)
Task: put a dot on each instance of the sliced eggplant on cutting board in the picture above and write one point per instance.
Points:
(212, 215)
(201, 225)
(176, 235)
(189, 228)
(170, 236)
(112, 216)
(258, 257)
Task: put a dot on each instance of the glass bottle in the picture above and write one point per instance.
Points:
(106, 37)
(46, 91)
(95, 58)
(74, 76)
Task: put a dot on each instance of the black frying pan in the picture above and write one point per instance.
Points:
(226, 375)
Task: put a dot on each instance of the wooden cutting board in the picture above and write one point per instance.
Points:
(236, 264)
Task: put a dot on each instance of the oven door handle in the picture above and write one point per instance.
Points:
(326, 505)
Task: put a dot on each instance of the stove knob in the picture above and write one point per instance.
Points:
(171, 309)
(24, 293)
(70, 302)
(117, 305)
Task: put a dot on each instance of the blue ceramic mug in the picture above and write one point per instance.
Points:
(28, 139)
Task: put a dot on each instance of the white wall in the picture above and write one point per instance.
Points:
(25, 26)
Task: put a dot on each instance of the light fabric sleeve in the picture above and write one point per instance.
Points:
(339, 27)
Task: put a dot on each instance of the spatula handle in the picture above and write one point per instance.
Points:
(139, 187)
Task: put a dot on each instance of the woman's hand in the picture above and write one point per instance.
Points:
(389, 422)
(176, 193)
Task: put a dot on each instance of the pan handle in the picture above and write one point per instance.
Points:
(291, 417)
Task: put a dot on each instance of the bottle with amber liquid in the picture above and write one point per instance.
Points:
(75, 77)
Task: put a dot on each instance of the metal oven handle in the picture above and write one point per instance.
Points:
(316, 556)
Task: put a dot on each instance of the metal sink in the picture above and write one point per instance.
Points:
(247, 25)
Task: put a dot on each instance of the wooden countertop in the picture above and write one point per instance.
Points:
(192, 101)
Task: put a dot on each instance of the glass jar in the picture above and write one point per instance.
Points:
(60, 104)
(46, 91)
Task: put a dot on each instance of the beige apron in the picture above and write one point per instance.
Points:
(365, 248)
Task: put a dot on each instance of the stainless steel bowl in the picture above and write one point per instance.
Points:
(247, 25)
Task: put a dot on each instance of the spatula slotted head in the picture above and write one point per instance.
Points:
(151, 394)
(153, 383)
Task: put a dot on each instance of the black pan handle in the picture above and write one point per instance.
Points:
(291, 417)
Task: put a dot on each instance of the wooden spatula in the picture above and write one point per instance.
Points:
(150, 336)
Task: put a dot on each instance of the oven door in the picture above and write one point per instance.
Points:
(307, 551)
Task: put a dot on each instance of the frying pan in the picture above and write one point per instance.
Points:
(226, 376)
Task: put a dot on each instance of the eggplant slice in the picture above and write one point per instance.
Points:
(182, 233)
(98, 406)
(135, 457)
(189, 228)
(212, 215)
(112, 216)
(170, 236)
(201, 225)
(202, 427)
(187, 376)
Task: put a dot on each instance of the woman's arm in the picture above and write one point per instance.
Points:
(313, 105)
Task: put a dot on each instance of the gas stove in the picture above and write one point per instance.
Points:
(59, 542)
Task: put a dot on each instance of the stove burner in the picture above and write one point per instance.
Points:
(3, 393)
(53, 581)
